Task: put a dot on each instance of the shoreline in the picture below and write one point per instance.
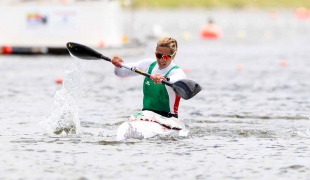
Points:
(207, 8)
(264, 4)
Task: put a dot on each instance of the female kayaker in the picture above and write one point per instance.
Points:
(157, 97)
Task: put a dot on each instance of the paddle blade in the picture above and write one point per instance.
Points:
(186, 88)
(83, 52)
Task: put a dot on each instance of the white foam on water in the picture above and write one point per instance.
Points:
(64, 118)
(305, 131)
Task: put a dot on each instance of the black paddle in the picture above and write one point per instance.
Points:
(185, 88)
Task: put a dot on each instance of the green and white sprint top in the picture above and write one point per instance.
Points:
(157, 97)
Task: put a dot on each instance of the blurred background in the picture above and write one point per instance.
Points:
(44, 26)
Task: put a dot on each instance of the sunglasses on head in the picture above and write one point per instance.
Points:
(165, 57)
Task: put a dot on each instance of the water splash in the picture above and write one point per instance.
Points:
(64, 118)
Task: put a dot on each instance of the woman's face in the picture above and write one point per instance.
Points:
(163, 56)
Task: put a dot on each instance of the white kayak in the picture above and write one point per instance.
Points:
(146, 124)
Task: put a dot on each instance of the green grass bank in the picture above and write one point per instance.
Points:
(220, 3)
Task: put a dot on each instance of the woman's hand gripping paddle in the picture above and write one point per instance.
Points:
(185, 88)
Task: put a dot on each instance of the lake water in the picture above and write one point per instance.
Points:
(250, 121)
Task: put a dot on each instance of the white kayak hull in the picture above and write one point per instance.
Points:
(145, 129)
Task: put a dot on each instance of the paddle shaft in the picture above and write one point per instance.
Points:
(134, 69)
(185, 88)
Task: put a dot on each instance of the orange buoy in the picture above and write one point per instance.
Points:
(187, 70)
(302, 13)
(240, 67)
(101, 44)
(125, 39)
(283, 63)
(7, 49)
(211, 31)
(59, 80)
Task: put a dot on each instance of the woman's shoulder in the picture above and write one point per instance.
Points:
(144, 64)
(178, 71)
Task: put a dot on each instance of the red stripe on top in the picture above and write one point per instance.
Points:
(176, 104)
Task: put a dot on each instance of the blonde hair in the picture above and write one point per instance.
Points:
(169, 43)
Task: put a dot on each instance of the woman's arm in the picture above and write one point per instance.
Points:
(142, 65)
